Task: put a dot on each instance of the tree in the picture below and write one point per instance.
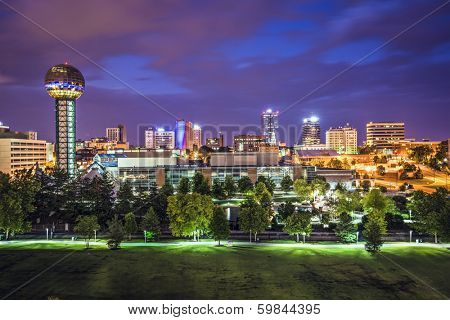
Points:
(245, 184)
(217, 190)
(116, 232)
(130, 225)
(377, 205)
(285, 210)
(12, 217)
(253, 217)
(418, 174)
(189, 214)
(299, 223)
(150, 224)
(381, 170)
(200, 184)
(319, 186)
(347, 202)
(345, 229)
(125, 199)
(421, 154)
(86, 226)
(229, 187)
(376, 159)
(159, 202)
(431, 213)
(303, 190)
(365, 185)
(268, 182)
(286, 183)
(101, 191)
(219, 224)
(183, 186)
(335, 163)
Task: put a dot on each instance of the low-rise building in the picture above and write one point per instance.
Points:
(18, 154)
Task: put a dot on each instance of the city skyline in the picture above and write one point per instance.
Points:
(180, 75)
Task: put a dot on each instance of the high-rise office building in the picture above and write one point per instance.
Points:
(384, 135)
(197, 132)
(310, 131)
(342, 139)
(184, 135)
(159, 139)
(118, 134)
(269, 126)
(215, 143)
(65, 84)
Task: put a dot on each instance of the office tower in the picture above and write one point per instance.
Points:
(118, 134)
(159, 139)
(269, 126)
(65, 84)
(184, 135)
(197, 132)
(342, 139)
(248, 142)
(383, 135)
(17, 154)
(310, 131)
(215, 143)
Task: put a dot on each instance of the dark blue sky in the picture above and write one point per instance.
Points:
(223, 62)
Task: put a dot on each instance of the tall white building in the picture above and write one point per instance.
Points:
(383, 135)
(342, 139)
(159, 139)
(310, 131)
(269, 126)
(197, 136)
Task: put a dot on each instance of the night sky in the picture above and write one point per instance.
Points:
(223, 62)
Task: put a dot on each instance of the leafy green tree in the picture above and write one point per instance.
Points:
(219, 224)
(86, 226)
(381, 170)
(285, 210)
(12, 217)
(303, 190)
(116, 232)
(189, 214)
(150, 224)
(335, 163)
(229, 186)
(299, 223)
(130, 225)
(268, 182)
(377, 205)
(159, 202)
(184, 186)
(245, 184)
(125, 199)
(319, 186)
(200, 184)
(217, 190)
(421, 154)
(286, 183)
(253, 218)
(345, 229)
(431, 213)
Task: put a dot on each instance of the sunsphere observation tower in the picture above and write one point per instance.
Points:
(65, 84)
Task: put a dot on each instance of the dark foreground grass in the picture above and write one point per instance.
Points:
(203, 272)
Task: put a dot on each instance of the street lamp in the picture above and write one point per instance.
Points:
(46, 232)
(409, 214)
(95, 235)
(357, 236)
(410, 236)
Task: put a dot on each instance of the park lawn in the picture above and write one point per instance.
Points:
(211, 272)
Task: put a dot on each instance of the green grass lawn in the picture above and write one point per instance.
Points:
(239, 272)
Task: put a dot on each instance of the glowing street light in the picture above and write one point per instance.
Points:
(46, 231)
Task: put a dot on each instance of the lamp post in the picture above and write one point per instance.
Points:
(409, 214)
(357, 236)
(46, 233)
(410, 236)
(95, 235)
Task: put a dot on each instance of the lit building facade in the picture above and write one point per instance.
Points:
(184, 135)
(65, 84)
(310, 131)
(269, 126)
(384, 135)
(159, 139)
(342, 139)
(248, 142)
(118, 134)
(18, 154)
(197, 132)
